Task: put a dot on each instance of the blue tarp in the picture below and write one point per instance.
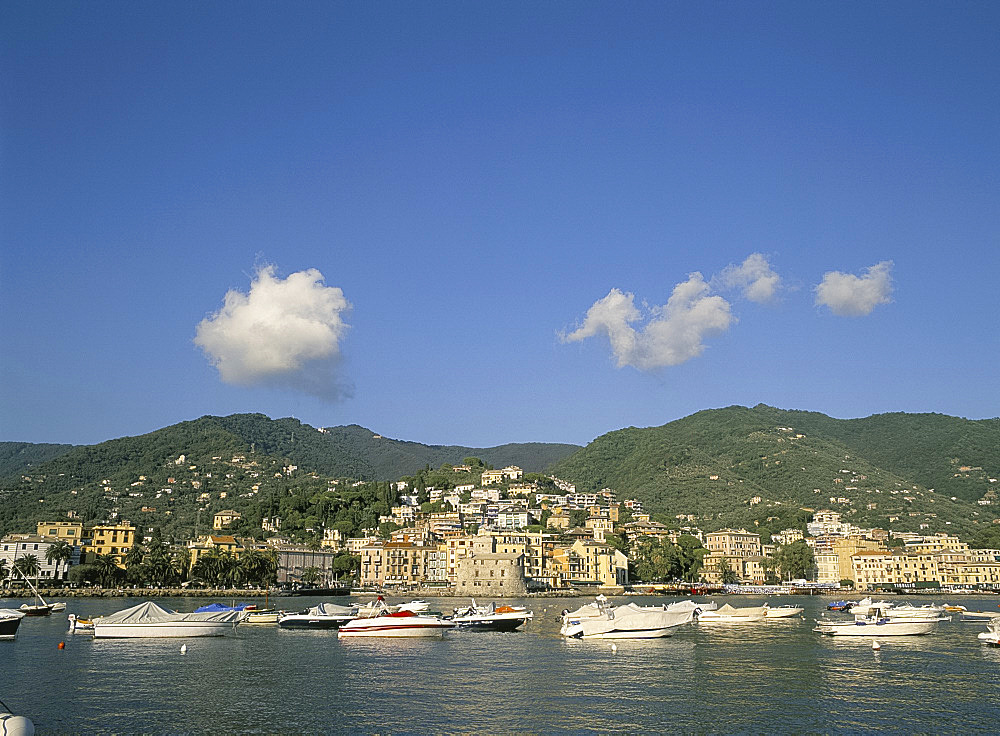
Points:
(216, 607)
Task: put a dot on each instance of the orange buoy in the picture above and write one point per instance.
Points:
(62, 645)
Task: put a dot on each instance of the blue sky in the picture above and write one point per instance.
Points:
(479, 223)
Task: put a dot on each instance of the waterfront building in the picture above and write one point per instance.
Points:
(66, 531)
(294, 560)
(834, 556)
(734, 543)
(18, 546)
(486, 572)
(110, 539)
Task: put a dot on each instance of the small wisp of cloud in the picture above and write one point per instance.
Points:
(754, 277)
(674, 333)
(848, 295)
(283, 333)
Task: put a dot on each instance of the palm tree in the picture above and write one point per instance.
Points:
(27, 566)
(108, 571)
(59, 553)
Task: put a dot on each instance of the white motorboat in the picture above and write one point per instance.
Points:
(79, 625)
(323, 616)
(863, 607)
(148, 620)
(876, 627)
(986, 616)
(11, 725)
(599, 621)
(416, 606)
(401, 624)
(491, 617)
(783, 611)
(9, 621)
(729, 615)
(992, 634)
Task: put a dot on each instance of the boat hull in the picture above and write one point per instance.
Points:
(502, 624)
(8, 627)
(783, 612)
(877, 629)
(576, 632)
(315, 623)
(170, 630)
(396, 632)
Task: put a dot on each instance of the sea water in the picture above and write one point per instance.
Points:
(773, 676)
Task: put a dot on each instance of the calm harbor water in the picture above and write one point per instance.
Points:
(777, 676)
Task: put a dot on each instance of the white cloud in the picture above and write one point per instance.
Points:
(284, 333)
(855, 296)
(673, 334)
(754, 276)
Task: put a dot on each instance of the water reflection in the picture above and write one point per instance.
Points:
(775, 676)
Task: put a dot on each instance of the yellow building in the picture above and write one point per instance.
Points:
(221, 542)
(734, 543)
(67, 531)
(834, 556)
(223, 519)
(110, 539)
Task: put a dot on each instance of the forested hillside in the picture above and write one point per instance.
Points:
(18, 457)
(249, 462)
(767, 468)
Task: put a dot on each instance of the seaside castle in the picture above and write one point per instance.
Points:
(485, 572)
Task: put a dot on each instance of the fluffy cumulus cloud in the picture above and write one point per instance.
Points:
(855, 296)
(282, 333)
(758, 282)
(673, 334)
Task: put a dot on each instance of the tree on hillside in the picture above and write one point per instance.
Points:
(794, 561)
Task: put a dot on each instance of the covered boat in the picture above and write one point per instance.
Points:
(491, 617)
(9, 621)
(624, 622)
(148, 620)
(729, 615)
(401, 624)
(783, 611)
(323, 616)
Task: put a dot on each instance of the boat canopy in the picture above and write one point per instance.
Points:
(332, 609)
(216, 607)
(150, 613)
(728, 610)
(631, 617)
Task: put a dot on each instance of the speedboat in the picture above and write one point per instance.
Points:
(883, 620)
(783, 611)
(876, 627)
(400, 624)
(491, 617)
(729, 615)
(841, 605)
(417, 606)
(600, 621)
(323, 616)
(79, 625)
(992, 635)
(979, 615)
(148, 620)
(9, 621)
(58, 606)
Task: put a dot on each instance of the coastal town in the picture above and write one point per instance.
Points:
(503, 537)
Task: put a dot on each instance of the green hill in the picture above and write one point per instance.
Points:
(171, 469)
(19, 457)
(768, 468)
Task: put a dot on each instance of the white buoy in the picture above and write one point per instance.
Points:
(875, 645)
(614, 648)
(184, 648)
